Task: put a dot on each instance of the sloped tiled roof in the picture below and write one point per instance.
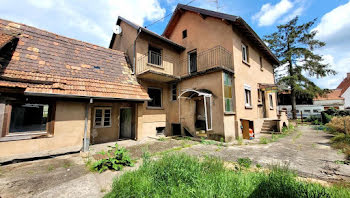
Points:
(44, 63)
(345, 84)
(5, 38)
(334, 94)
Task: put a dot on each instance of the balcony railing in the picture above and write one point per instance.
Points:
(214, 57)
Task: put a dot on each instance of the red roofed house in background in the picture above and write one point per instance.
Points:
(345, 90)
(57, 92)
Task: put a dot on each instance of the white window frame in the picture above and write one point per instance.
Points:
(103, 117)
(249, 104)
(161, 98)
(244, 53)
(271, 100)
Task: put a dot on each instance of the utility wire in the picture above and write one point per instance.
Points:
(146, 26)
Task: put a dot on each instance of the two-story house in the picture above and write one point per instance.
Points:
(209, 74)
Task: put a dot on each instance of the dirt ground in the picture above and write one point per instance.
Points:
(306, 150)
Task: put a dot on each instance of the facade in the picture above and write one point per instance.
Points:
(345, 90)
(208, 75)
(57, 93)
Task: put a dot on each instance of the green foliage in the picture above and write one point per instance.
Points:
(263, 140)
(244, 162)
(207, 142)
(294, 46)
(240, 140)
(161, 139)
(184, 176)
(341, 141)
(116, 159)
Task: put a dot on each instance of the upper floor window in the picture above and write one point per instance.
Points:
(156, 97)
(184, 34)
(173, 92)
(192, 61)
(271, 101)
(261, 62)
(248, 96)
(245, 53)
(228, 92)
(102, 117)
(154, 55)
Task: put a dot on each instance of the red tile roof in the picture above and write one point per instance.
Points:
(4, 39)
(334, 94)
(46, 63)
(345, 84)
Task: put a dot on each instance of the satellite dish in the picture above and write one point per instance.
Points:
(117, 29)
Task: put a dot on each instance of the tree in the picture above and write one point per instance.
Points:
(294, 46)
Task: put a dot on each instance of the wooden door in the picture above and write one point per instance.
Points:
(245, 130)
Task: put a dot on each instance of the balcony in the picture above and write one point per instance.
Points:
(213, 58)
(157, 67)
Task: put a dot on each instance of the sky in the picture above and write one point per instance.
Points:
(93, 20)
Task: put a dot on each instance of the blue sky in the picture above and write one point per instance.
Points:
(92, 21)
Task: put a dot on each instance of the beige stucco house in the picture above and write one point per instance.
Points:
(209, 74)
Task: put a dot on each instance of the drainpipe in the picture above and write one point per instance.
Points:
(134, 54)
(86, 141)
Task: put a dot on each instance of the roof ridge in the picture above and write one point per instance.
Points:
(55, 34)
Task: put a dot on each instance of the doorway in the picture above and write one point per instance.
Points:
(192, 61)
(263, 103)
(126, 123)
(246, 125)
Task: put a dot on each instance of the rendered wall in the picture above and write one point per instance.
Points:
(346, 96)
(68, 135)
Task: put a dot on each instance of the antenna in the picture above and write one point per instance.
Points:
(117, 29)
(217, 4)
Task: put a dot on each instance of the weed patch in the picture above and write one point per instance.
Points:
(183, 176)
(244, 162)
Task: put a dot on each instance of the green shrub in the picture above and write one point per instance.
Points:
(244, 162)
(114, 159)
(184, 176)
(264, 140)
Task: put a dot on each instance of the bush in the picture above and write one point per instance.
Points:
(116, 159)
(184, 176)
(337, 124)
(244, 162)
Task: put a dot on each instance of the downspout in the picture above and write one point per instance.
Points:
(134, 53)
(86, 141)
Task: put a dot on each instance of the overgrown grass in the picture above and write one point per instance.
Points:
(183, 176)
(274, 137)
(341, 141)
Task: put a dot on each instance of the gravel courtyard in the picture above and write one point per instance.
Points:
(307, 151)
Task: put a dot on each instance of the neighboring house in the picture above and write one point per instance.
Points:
(345, 90)
(209, 75)
(56, 92)
(333, 99)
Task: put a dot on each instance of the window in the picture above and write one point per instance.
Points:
(297, 111)
(27, 117)
(102, 117)
(248, 96)
(192, 61)
(154, 56)
(156, 97)
(184, 34)
(228, 92)
(271, 101)
(259, 95)
(315, 110)
(173, 92)
(245, 53)
(307, 111)
(261, 62)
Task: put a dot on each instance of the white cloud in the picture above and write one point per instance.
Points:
(334, 29)
(269, 14)
(296, 12)
(87, 20)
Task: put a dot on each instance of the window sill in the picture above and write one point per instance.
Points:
(25, 136)
(246, 63)
(101, 127)
(229, 113)
(155, 108)
(248, 107)
(154, 65)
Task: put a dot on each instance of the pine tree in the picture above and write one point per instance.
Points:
(294, 46)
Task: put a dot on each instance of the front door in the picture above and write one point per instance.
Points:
(245, 130)
(263, 104)
(126, 123)
(192, 61)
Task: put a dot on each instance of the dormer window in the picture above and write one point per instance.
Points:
(154, 56)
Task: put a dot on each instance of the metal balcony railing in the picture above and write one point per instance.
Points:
(214, 57)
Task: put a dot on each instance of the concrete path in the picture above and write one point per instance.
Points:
(307, 151)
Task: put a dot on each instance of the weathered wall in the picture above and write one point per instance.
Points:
(68, 135)
(149, 118)
(346, 96)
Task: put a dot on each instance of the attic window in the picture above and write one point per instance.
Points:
(97, 67)
(184, 34)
